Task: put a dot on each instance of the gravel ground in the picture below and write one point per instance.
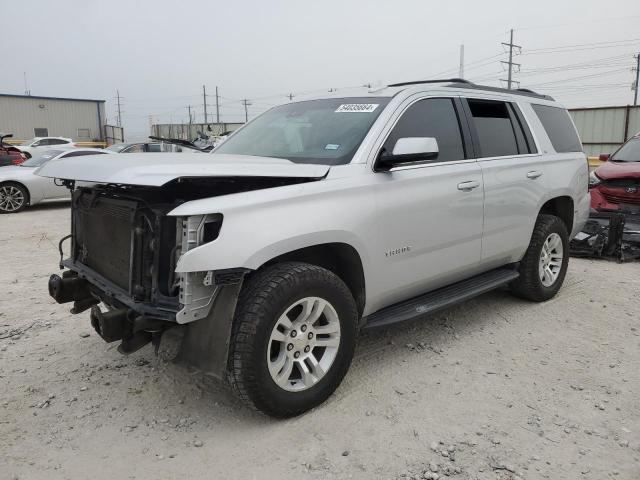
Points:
(496, 388)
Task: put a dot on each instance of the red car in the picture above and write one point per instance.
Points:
(9, 155)
(615, 185)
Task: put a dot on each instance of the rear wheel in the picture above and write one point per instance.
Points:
(544, 266)
(293, 338)
(13, 198)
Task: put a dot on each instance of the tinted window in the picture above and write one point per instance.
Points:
(557, 124)
(433, 117)
(154, 147)
(57, 141)
(496, 133)
(629, 152)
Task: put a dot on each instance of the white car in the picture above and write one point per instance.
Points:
(19, 187)
(39, 144)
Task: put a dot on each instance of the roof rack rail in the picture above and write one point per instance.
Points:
(516, 91)
(528, 90)
(444, 80)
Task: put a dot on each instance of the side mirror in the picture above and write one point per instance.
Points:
(604, 157)
(407, 150)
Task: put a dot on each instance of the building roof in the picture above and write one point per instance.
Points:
(51, 98)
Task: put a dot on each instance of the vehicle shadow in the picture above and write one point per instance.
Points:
(43, 207)
(433, 334)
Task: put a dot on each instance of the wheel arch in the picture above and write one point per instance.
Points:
(562, 207)
(339, 258)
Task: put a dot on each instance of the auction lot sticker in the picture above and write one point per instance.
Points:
(356, 108)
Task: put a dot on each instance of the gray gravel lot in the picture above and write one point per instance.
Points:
(496, 388)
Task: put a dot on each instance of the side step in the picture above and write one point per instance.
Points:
(442, 298)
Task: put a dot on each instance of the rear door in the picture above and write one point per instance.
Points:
(429, 214)
(513, 178)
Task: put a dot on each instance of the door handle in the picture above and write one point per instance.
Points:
(533, 174)
(468, 186)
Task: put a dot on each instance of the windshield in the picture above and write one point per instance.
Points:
(629, 152)
(325, 131)
(41, 158)
(117, 147)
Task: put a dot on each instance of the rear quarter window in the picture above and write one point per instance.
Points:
(559, 128)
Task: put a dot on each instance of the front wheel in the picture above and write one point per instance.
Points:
(293, 338)
(544, 266)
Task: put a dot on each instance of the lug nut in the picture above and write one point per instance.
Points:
(310, 336)
(303, 328)
(296, 355)
(306, 349)
(290, 347)
(293, 333)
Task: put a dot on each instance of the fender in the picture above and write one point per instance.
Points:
(260, 225)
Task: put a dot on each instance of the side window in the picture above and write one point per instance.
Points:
(57, 141)
(137, 148)
(560, 130)
(496, 133)
(153, 147)
(432, 117)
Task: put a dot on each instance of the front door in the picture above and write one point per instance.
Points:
(429, 214)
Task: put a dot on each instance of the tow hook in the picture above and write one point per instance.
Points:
(71, 288)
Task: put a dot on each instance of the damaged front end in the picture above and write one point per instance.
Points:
(124, 248)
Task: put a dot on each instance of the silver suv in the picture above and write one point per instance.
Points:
(321, 218)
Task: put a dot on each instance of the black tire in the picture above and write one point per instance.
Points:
(23, 191)
(529, 285)
(264, 298)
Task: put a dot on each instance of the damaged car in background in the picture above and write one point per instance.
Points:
(613, 228)
(320, 218)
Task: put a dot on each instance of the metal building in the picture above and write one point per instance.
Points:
(28, 116)
(604, 129)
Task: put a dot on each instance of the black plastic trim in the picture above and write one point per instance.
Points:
(442, 298)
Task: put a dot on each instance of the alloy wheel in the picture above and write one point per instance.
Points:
(303, 344)
(551, 259)
(11, 198)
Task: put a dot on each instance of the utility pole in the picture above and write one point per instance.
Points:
(217, 107)
(637, 84)
(246, 103)
(290, 96)
(511, 64)
(461, 71)
(204, 100)
(189, 108)
(119, 111)
(26, 88)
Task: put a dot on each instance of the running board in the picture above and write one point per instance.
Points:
(442, 298)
